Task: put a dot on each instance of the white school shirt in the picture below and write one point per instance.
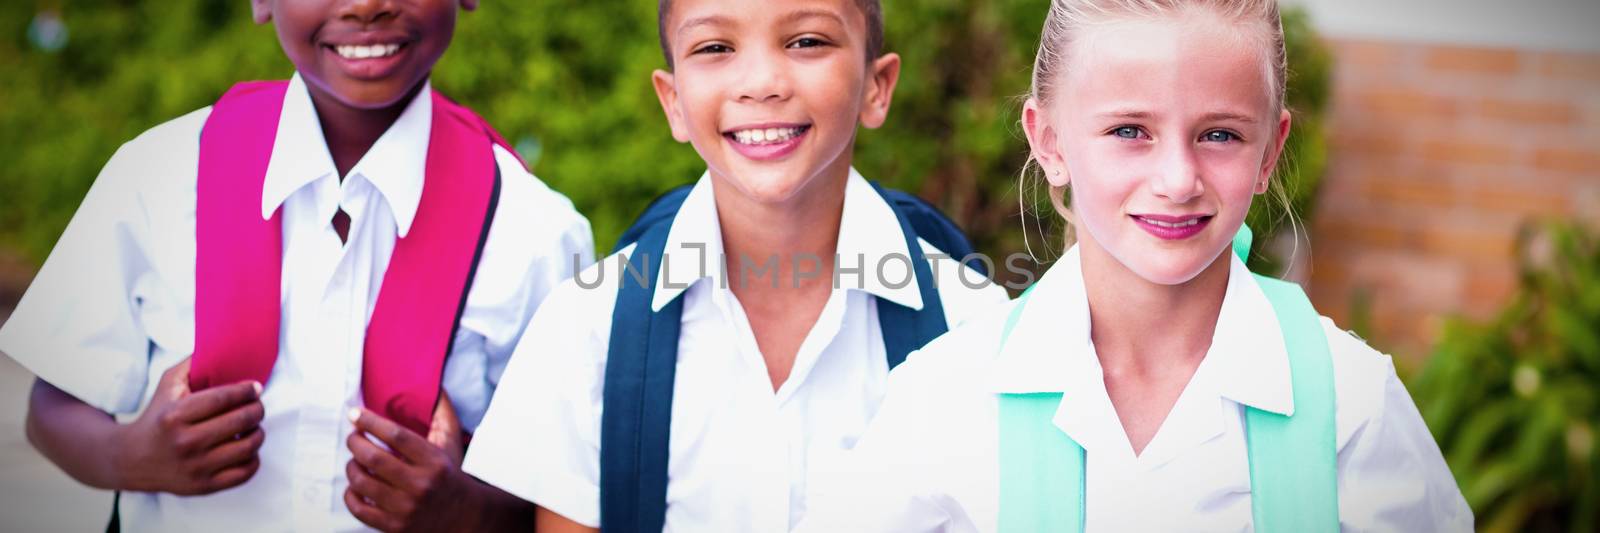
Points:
(113, 307)
(929, 462)
(740, 452)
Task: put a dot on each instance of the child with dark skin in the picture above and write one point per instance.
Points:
(189, 442)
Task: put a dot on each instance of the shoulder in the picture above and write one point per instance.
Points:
(582, 305)
(539, 213)
(1362, 375)
(957, 361)
(166, 154)
(963, 290)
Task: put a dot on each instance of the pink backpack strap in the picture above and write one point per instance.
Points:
(424, 291)
(238, 264)
(238, 254)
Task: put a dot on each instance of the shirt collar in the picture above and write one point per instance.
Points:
(1050, 350)
(395, 164)
(874, 238)
(1250, 357)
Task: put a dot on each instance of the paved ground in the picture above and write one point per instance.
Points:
(34, 495)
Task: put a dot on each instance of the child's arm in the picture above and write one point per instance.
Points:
(184, 443)
(417, 484)
(548, 521)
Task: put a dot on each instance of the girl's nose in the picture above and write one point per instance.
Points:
(1177, 176)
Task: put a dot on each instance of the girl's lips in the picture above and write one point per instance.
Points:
(368, 68)
(1170, 227)
(767, 151)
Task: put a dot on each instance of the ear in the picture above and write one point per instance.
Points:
(1042, 140)
(469, 5)
(667, 93)
(1270, 163)
(261, 11)
(882, 75)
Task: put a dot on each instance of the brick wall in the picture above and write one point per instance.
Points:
(1438, 154)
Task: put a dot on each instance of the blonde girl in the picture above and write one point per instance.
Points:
(1149, 381)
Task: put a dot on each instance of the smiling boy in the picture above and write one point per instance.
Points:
(706, 399)
(240, 278)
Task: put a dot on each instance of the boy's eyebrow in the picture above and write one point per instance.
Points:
(709, 20)
(802, 14)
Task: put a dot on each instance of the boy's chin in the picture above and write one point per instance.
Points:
(769, 184)
(370, 94)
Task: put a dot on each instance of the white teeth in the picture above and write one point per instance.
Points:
(765, 136)
(1183, 224)
(366, 51)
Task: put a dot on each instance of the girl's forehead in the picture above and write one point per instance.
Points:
(1165, 62)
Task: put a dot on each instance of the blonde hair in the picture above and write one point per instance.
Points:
(1066, 17)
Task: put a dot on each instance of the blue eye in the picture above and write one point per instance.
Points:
(1126, 132)
(1219, 136)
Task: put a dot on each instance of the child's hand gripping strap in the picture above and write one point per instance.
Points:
(1293, 460)
(238, 264)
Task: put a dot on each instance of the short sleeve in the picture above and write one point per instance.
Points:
(536, 241)
(1392, 476)
(540, 439)
(77, 326)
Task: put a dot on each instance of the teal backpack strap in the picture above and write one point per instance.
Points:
(1041, 468)
(1293, 459)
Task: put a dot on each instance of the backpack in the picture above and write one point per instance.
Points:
(642, 360)
(1293, 459)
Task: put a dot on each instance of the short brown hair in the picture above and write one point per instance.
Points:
(871, 9)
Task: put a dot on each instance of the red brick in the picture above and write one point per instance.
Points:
(1488, 289)
(1407, 103)
(1567, 160)
(1366, 234)
(1370, 55)
(1453, 151)
(1529, 112)
(1570, 66)
(1444, 240)
(1511, 197)
(1410, 191)
(1474, 60)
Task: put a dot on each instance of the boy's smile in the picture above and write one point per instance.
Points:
(770, 93)
(362, 54)
(368, 55)
(767, 142)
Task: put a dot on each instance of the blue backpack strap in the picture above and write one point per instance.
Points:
(933, 226)
(1041, 468)
(637, 401)
(1294, 467)
(662, 209)
(905, 329)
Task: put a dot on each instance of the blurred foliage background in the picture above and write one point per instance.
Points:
(567, 81)
(1513, 402)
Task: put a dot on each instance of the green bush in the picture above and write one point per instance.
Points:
(567, 81)
(1514, 402)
